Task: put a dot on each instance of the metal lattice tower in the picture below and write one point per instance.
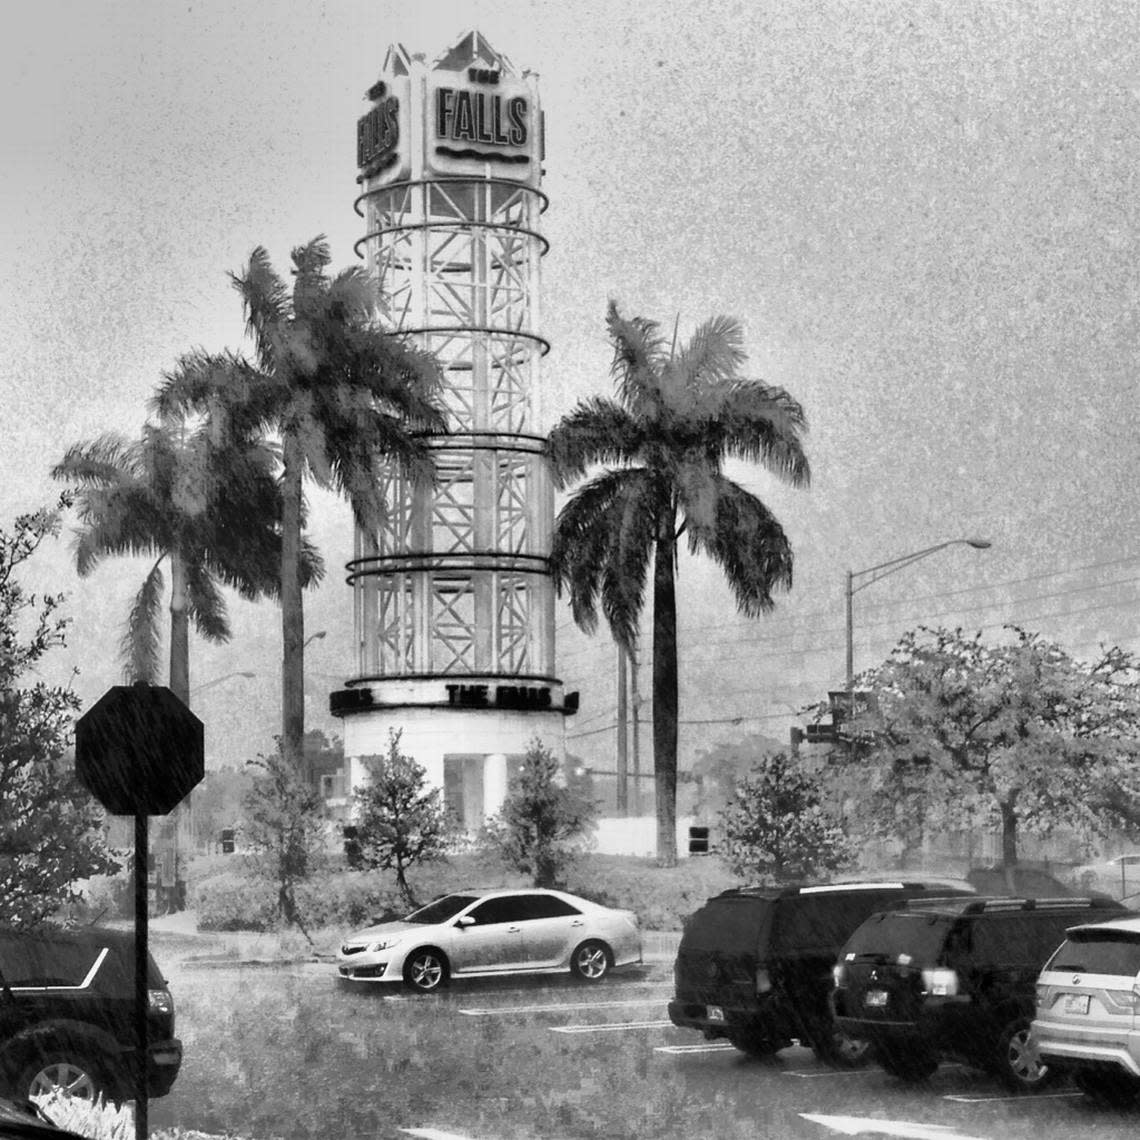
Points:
(455, 592)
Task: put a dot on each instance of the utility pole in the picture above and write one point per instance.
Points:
(622, 732)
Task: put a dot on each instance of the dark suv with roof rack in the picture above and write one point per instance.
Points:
(67, 1016)
(955, 978)
(754, 964)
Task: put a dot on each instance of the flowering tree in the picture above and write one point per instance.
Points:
(776, 827)
(1019, 735)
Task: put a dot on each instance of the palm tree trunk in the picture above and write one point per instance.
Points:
(665, 690)
(292, 610)
(179, 629)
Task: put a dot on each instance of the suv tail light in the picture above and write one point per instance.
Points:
(160, 1001)
(940, 982)
(763, 981)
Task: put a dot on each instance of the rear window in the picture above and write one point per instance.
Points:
(1099, 952)
(889, 935)
(821, 923)
(727, 924)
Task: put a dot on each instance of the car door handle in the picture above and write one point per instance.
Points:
(514, 929)
(577, 922)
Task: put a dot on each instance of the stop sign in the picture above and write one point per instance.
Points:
(139, 750)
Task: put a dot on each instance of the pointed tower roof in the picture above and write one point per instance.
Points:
(473, 50)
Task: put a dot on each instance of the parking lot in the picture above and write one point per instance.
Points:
(546, 1057)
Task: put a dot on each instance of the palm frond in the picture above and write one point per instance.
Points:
(100, 463)
(597, 431)
(142, 637)
(639, 356)
(760, 423)
(749, 544)
(205, 604)
(265, 299)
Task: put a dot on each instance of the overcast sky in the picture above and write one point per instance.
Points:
(925, 216)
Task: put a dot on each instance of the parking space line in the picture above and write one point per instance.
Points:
(962, 1098)
(813, 1074)
(553, 1007)
(433, 1134)
(711, 1047)
(610, 1027)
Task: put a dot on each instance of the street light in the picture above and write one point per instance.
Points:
(876, 573)
(219, 680)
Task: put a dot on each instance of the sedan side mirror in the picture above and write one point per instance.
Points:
(464, 920)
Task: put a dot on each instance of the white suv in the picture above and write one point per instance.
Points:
(1088, 1009)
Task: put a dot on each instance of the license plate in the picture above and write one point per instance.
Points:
(875, 998)
(715, 1013)
(1075, 1003)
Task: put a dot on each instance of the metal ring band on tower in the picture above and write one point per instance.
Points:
(452, 180)
(464, 225)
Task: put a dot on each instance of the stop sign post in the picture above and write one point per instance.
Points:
(140, 751)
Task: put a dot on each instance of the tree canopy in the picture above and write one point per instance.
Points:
(1019, 735)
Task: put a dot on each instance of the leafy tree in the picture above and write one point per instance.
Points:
(50, 833)
(1017, 735)
(401, 820)
(211, 512)
(542, 824)
(347, 400)
(775, 826)
(284, 825)
(680, 414)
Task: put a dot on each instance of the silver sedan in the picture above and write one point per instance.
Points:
(489, 932)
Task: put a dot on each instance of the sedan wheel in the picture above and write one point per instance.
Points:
(591, 961)
(425, 971)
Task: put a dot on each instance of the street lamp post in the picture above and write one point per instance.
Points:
(875, 573)
(219, 680)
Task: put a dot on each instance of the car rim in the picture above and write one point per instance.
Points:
(1022, 1062)
(592, 962)
(65, 1077)
(426, 972)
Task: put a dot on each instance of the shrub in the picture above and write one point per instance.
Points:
(233, 901)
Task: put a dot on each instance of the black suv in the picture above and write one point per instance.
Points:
(754, 964)
(67, 1016)
(955, 979)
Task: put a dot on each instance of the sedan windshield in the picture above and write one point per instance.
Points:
(441, 910)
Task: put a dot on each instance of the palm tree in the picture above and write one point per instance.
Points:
(211, 512)
(680, 413)
(344, 397)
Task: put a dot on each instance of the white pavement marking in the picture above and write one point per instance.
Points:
(610, 1027)
(963, 1099)
(433, 1134)
(813, 1074)
(712, 1047)
(554, 1007)
(869, 1126)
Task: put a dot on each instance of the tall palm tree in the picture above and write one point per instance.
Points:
(679, 414)
(211, 512)
(344, 397)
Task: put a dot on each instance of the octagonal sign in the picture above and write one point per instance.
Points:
(139, 750)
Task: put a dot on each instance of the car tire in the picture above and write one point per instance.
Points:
(426, 970)
(69, 1070)
(591, 961)
(1015, 1064)
(908, 1063)
(836, 1048)
(754, 1044)
(1116, 1089)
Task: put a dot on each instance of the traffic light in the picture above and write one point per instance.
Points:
(698, 840)
(227, 840)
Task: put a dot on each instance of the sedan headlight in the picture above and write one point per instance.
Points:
(381, 944)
